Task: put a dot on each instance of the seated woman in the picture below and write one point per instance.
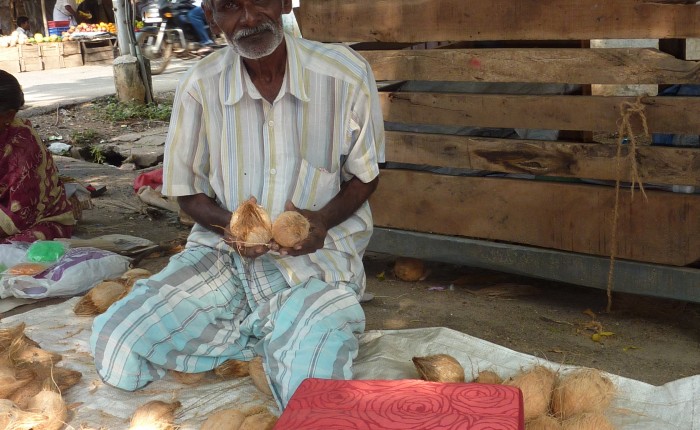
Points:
(33, 203)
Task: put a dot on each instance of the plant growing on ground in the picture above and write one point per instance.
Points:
(85, 137)
(117, 111)
(97, 155)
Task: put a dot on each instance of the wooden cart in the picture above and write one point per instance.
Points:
(563, 221)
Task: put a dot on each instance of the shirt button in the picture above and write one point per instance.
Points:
(273, 171)
(271, 123)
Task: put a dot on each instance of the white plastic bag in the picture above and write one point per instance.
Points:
(77, 271)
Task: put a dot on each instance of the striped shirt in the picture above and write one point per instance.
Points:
(325, 126)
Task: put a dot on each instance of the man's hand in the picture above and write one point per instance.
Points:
(352, 195)
(315, 239)
(207, 213)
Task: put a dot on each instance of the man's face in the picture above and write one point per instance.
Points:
(25, 25)
(253, 28)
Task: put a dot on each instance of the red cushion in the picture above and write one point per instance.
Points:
(408, 404)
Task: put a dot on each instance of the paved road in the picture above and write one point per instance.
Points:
(47, 89)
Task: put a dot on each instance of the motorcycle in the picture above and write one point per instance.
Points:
(164, 34)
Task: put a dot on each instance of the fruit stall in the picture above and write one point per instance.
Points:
(65, 46)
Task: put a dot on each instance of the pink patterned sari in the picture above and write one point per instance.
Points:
(33, 203)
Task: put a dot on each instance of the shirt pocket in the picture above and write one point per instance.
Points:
(314, 187)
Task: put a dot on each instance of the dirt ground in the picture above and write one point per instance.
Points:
(652, 340)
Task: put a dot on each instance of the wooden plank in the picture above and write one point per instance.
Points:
(11, 66)
(658, 165)
(570, 217)
(9, 54)
(595, 113)
(581, 66)
(413, 21)
(677, 283)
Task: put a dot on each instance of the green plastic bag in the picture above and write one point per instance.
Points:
(46, 251)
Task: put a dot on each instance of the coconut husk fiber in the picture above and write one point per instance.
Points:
(100, 298)
(543, 422)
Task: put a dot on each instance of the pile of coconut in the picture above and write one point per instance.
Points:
(576, 400)
(31, 384)
(159, 415)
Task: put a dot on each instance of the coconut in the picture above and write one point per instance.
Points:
(587, 421)
(10, 381)
(23, 354)
(227, 419)
(261, 421)
(14, 418)
(63, 378)
(488, 377)
(543, 422)
(98, 299)
(250, 225)
(290, 228)
(232, 369)
(23, 394)
(257, 374)
(50, 404)
(536, 385)
(8, 335)
(439, 368)
(584, 390)
(409, 269)
(154, 415)
(133, 275)
(188, 378)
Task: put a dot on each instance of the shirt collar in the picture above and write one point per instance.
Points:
(293, 79)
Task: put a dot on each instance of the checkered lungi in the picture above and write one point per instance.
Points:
(207, 307)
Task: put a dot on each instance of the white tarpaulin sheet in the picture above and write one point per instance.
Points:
(383, 355)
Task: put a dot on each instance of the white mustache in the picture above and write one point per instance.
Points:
(266, 26)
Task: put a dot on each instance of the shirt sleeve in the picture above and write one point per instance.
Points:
(365, 131)
(186, 158)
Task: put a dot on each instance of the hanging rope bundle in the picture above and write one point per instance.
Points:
(625, 131)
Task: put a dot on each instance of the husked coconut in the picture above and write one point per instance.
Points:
(50, 404)
(133, 275)
(580, 391)
(488, 377)
(290, 228)
(536, 385)
(257, 374)
(188, 378)
(155, 415)
(250, 224)
(232, 369)
(587, 421)
(261, 421)
(100, 298)
(227, 419)
(439, 368)
(543, 422)
(409, 269)
(14, 418)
